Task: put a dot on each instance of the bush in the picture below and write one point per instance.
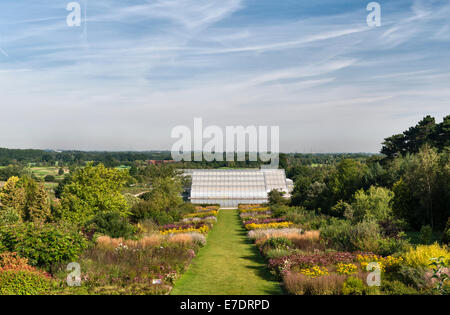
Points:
(422, 254)
(353, 286)
(43, 244)
(342, 235)
(23, 283)
(412, 277)
(390, 246)
(113, 225)
(9, 216)
(426, 233)
(278, 243)
(17, 277)
(397, 288)
(49, 178)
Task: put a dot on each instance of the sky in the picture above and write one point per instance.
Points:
(135, 69)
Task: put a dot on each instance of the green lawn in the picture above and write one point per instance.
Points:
(228, 264)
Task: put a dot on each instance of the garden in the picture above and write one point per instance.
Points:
(115, 244)
(315, 254)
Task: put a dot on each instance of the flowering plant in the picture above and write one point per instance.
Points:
(346, 269)
(315, 271)
(273, 225)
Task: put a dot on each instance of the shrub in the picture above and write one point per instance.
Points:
(112, 224)
(422, 254)
(23, 283)
(19, 278)
(43, 244)
(413, 277)
(426, 233)
(9, 216)
(342, 235)
(277, 243)
(397, 288)
(49, 178)
(355, 286)
(389, 246)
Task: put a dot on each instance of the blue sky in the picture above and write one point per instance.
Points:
(137, 68)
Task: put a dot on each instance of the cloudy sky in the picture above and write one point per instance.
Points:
(137, 68)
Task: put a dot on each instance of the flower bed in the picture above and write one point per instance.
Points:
(272, 225)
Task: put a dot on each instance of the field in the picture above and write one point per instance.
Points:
(42, 171)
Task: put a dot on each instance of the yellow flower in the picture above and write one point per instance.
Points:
(203, 229)
(315, 271)
(273, 225)
(346, 269)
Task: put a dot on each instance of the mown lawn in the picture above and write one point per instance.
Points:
(228, 264)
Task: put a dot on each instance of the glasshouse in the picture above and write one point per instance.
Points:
(229, 188)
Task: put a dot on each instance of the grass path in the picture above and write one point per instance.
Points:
(228, 264)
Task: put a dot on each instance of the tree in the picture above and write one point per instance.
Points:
(27, 197)
(93, 190)
(163, 203)
(347, 178)
(276, 197)
(49, 178)
(372, 205)
(165, 194)
(422, 175)
(61, 171)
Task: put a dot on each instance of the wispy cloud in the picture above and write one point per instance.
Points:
(330, 82)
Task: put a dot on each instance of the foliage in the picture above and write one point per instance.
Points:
(425, 132)
(9, 216)
(426, 233)
(27, 197)
(278, 243)
(342, 235)
(112, 224)
(49, 178)
(421, 255)
(372, 205)
(397, 288)
(440, 268)
(93, 190)
(276, 197)
(23, 283)
(353, 286)
(43, 244)
(19, 278)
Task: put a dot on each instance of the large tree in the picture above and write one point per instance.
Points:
(94, 190)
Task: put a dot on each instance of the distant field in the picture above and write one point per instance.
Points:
(42, 171)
